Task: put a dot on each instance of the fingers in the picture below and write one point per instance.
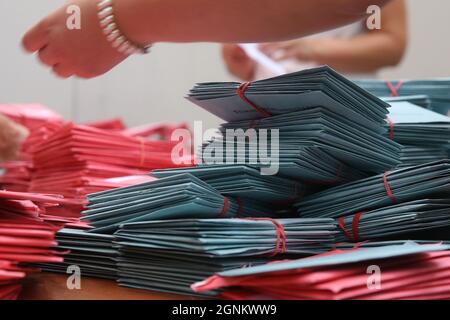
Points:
(62, 71)
(36, 38)
(47, 56)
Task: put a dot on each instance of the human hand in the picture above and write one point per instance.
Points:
(11, 136)
(85, 53)
(238, 63)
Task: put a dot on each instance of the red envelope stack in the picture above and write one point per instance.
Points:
(418, 277)
(76, 160)
(26, 236)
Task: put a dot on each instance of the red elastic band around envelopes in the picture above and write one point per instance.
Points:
(388, 189)
(391, 128)
(355, 227)
(341, 223)
(226, 205)
(280, 246)
(394, 88)
(241, 93)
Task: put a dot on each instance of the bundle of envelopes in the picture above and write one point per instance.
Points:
(417, 219)
(412, 125)
(405, 271)
(415, 155)
(330, 130)
(243, 182)
(438, 90)
(174, 197)
(419, 100)
(382, 190)
(171, 255)
(289, 93)
(40, 207)
(93, 253)
(313, 146)
(26, 236)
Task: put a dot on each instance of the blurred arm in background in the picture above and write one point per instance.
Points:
(367, 52)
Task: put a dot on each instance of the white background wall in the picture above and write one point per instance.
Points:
(151, 88)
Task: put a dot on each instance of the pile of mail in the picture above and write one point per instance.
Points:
(395, 204)
(344, 174)
(395, 272)
(424, 134)
(397, 186)
(415, 155)
(412, 125)
(171, 255)
(417, 219)
(75, 160)
(26, 236)
(244, 182)
(175, 197)
(92, 253)
(437, 90)
(330, 130)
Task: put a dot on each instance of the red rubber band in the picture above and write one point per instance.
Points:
(280, 246)
(391, 128)
(341, 223)
(394, 89)
(241, 93)
(355, 226)
(388, 189)
(226, 205)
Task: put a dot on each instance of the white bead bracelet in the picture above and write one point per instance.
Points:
(113, 34)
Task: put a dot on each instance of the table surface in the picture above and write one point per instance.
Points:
(50, 286)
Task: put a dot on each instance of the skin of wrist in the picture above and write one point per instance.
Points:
(128, 15)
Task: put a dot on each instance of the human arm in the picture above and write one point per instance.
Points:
(86, 53)
(367, 52)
